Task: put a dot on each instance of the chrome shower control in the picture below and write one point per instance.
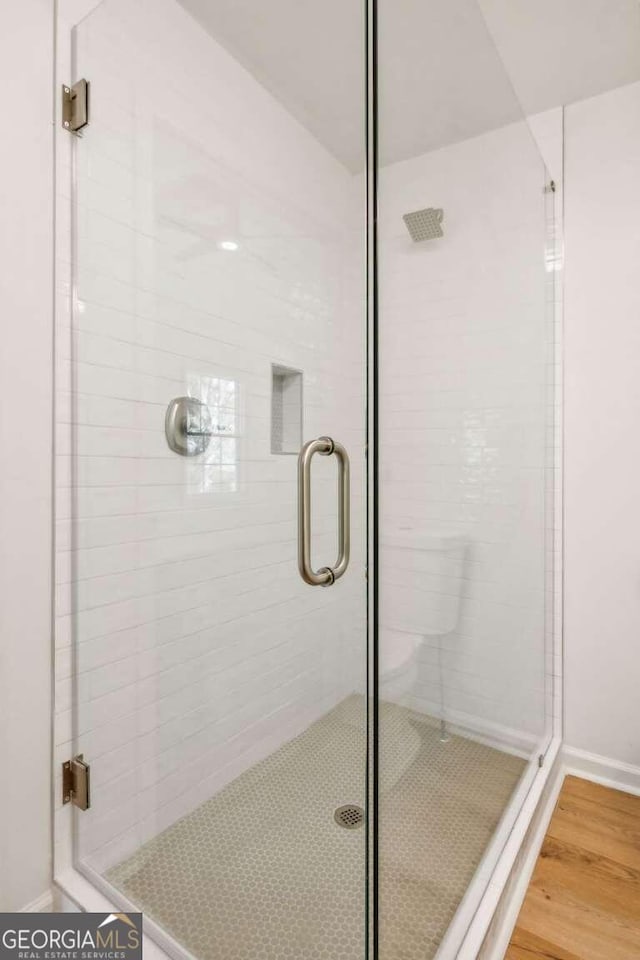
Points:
(188, 426)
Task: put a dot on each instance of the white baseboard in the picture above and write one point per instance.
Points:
(610, 773)
(44, 904)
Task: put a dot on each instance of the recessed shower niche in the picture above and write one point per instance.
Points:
(286, 410)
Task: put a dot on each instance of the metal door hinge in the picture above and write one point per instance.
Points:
(541, 759)
(75, 106)
(75, 782)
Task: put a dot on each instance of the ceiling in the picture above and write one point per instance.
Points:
(560, 51)
(448, 69)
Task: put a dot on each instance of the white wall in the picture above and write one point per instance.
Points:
(602, 432)
(466, 365)
(25, 440)
(199, 649)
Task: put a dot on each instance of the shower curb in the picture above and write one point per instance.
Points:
(490, 931)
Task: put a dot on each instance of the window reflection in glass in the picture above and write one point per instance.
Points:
(219, 462)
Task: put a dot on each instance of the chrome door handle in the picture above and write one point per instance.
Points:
(325, 576)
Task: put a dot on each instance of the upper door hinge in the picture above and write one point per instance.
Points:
(75, 106)
(75, 782)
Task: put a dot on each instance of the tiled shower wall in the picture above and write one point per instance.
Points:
(468, 400)
(197, 647)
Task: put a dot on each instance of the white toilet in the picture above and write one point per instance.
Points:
(421, 594)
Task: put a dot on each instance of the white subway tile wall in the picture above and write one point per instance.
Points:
(212, 237)
(468, 399)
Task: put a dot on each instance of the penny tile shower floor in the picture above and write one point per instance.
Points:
(261, 871)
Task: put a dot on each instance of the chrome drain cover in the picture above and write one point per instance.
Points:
(350, 816)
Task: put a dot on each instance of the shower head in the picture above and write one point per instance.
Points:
(424, 224)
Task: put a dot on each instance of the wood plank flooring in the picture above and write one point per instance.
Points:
(583, 901)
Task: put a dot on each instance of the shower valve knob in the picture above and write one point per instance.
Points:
(188, 426)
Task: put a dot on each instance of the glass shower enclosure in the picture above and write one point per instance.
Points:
(304, 478)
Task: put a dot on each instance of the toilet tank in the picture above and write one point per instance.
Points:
(421, 577)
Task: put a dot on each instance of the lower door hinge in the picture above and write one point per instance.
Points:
(75, 782)
(75, 106)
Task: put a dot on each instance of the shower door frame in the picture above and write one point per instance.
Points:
(74, 890)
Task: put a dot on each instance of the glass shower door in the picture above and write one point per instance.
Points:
(217, 325)
(466, 274)
(212, 482)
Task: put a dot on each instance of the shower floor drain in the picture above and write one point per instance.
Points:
(349, 816)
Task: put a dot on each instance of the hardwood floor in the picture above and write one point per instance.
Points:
(583, 901)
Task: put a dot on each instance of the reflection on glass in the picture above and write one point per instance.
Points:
(220, 460)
